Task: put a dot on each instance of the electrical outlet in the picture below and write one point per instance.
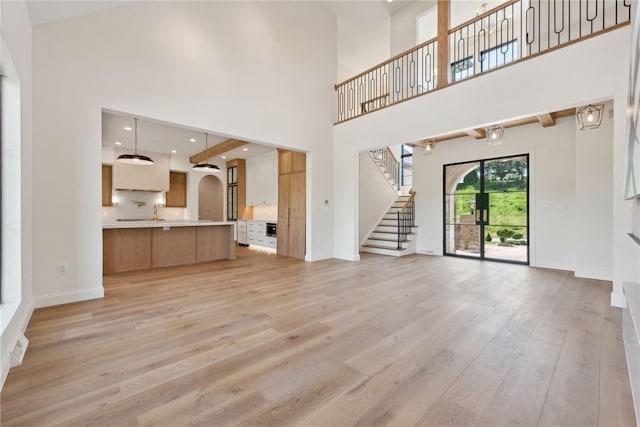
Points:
(63, 269)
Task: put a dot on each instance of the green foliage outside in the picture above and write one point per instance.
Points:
(506, 183)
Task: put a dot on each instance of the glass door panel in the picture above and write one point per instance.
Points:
(506, 231)
(486, 209)
(462, 233)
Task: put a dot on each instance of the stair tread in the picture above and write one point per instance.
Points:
(384, 247)
(390, 232)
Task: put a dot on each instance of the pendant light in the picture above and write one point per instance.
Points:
(494, 135)
(135, 158)
(206, 166)
(428, 146)
(590, 117)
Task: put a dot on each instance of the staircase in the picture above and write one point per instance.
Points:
(395, 233)
(390, 167)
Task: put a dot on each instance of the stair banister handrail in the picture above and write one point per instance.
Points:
(405, 219)
(388, 61)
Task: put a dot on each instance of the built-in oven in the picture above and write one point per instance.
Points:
(271, 229)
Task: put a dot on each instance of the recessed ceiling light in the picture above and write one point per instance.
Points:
(118, 143)
(129, 128)
(192, 140)
(224, 157)
(174, 151)
(245, 149)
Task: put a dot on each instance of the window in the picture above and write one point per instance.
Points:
(462, 69)
(406, 165)
(499, 55)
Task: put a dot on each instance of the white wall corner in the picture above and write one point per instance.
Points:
(618, 299)
(631, 338)
(67, 297)
(5, 357)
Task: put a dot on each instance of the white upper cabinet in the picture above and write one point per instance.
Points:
(262, 179)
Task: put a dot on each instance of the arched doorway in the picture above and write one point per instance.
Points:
(486, 209)
(210, 199)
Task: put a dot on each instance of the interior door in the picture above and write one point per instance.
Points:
(486, 209)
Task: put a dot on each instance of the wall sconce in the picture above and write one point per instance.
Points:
(590, 117)
(428, 146)
(494, 135)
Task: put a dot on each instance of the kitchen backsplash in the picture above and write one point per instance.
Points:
(269, 212)
(139, 205)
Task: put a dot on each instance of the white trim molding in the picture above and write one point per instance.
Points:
(67, 297)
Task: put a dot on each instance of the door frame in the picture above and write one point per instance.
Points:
(482, 256)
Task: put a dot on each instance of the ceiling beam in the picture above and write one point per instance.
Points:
(476, 133)
(216, 150)
(546, 120)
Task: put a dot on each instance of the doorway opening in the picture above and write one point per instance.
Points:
(486, 209)
(210, 199)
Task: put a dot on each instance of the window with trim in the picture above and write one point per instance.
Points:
(406, 165)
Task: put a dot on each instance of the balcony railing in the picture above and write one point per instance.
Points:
(514, 31)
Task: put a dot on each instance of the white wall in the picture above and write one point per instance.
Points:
(252, 70)
(15, 314)
(512, 92)
(552, 185)
(594, 199)
(376, 195)
(363, 36)
(404, 26)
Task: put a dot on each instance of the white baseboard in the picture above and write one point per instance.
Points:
(631, 337)
(23, 322)
(318, 257)
(597, 275)
(618, 300)
(67, 297)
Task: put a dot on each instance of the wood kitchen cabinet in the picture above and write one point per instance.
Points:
(176, 197)
(237, 190)
(291, 162)
(291, 204)
(107, 184)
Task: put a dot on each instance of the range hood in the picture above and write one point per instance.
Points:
(153, 177)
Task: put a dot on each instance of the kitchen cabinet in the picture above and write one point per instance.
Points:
(107, 184)
(262, 180)
(257, 234)
(176, 197)
(291, 162)
(237, 190)
(242, 232)
(291, 204)
(128, 247)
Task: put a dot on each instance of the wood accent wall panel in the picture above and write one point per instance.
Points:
(126, 249)
(284, 188)
(174, 246)
(292, 200)
(107, 184)
(297, 217)
(176, 197)
(214, 243)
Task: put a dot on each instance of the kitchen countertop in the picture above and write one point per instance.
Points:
(169, 223)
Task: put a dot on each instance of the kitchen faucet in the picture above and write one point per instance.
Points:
(155, 212)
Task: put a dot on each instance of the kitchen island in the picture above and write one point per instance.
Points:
(143, 245)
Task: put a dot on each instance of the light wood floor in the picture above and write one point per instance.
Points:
(271, 341)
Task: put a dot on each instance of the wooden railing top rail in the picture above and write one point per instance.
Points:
(409, 200)
(388, 61)
(483, 15)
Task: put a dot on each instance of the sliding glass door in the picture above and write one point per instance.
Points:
(486, 209)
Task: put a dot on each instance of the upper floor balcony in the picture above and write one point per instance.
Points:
(515, 31)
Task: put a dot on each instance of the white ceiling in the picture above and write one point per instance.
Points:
(45, 11)
(160, 137)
